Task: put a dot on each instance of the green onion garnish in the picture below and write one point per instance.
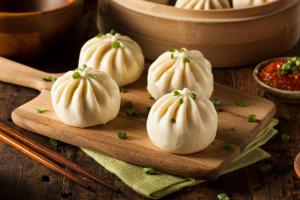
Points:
(40, 110)
(291, 66)
(181, 101)
(267, 168)
(228, 146)
(194, 96)
(186, 60)
(130, 111)
(217, 103)
(150, 171)
(116, 44)
(122, 135)
(76, 75)
(53, 142)
(172, 56)
(172, 50)
(84, 67)
(181, 50)
(252, 118)
(223, 196)
(176, 93)
(240, 103)
(50, 79)
(100, 35)
(113, 32)
(285, 137)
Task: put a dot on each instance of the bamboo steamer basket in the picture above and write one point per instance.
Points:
(231, 37)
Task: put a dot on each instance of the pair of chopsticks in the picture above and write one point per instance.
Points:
(40, 153)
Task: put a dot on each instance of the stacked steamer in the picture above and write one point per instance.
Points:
(227, 32)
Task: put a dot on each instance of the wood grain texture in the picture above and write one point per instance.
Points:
(226, 37)
(233, 127)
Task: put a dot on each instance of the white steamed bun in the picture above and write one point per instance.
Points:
(178, 69)
(85, 97)
(203, 4)
(115, 54)
(182, 122)
(248, 3)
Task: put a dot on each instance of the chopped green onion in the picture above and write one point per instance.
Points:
(291, 66)
(53, 142)
(181, 50)
(50, 79)
(133, 113)
(217, 103)
(100, 35)
(116, 44)
(76, 75)
(267, 168)
(84, 67)
(113, 32)
(150, 171)
(240, 103)
(181, 101)
(285, 138)
(122, 135)
(186, 60)
(173, 120)
(228, 146)
(252, 118)
(223, 196)
(40, 110)
(172, 50)
(194, 96)
(172, 56)
(176, 93)
(130, 111)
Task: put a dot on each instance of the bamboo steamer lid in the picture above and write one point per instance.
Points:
(231, 37)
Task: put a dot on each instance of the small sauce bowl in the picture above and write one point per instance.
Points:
(289, 96)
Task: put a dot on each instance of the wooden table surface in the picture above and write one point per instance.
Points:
(23, 178)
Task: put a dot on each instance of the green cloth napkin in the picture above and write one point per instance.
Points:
(157, 186)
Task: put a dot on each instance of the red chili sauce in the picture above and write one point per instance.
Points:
(269, 75)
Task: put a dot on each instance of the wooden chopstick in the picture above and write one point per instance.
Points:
(51, 154)
(41, 159)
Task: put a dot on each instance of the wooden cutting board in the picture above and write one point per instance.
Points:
(233, 126)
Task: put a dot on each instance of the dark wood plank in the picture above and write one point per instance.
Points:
(19, 175)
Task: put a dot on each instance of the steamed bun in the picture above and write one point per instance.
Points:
(178, 69)
(182, 122)
(85, 97)
(249, 3)
(203, 4)
(115, 54)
